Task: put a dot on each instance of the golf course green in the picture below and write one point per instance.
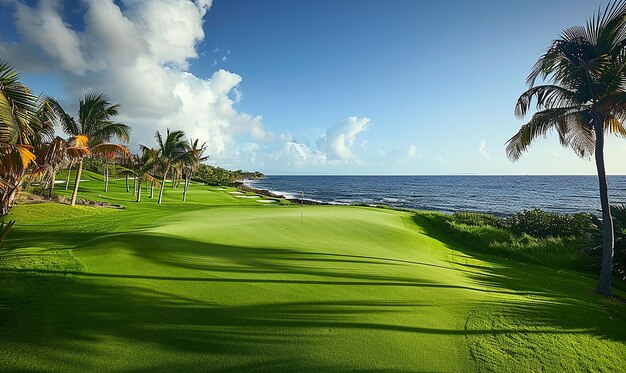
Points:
(229, 284)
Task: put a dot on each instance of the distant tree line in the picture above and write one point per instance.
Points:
(211, 175)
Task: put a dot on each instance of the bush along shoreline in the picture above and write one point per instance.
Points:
(561, 241)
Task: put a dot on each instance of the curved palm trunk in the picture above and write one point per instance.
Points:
(5, 203)
(163, 185)
(606, 270)
(79, 171)
(69, 172)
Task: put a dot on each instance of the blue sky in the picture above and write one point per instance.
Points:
(295, 87)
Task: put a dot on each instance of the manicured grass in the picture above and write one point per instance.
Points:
(229, 284)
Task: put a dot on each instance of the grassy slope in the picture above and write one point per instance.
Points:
(230, 284)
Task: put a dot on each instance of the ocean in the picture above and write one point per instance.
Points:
(499, 195)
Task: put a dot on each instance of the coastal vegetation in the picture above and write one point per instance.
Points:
(584, 97)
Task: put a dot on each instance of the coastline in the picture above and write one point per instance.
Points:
(267, 193)
(498, 195)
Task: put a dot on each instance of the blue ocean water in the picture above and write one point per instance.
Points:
(492, 194)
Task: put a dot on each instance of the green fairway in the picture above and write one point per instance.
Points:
(232, 284)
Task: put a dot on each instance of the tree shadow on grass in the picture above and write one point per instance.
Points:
(67, 319)
(71, 316)
(563, 300)
(268, 265)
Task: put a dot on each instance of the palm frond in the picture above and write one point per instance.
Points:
(540, 124)
(109, 151)
(547, 96)
(64, 120)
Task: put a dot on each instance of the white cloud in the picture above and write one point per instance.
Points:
(333, 148)
(482, 149)
(139, 55)
(338, 141)
(296, 155)
(410, 154)
(44, 28)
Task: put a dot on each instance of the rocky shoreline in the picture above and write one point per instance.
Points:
(266, 193)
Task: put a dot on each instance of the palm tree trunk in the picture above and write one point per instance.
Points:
(7, 200)
(147, 185)
(79, 171)
(51, 188)
(139, 191)
(606, 269)
(106, 175)
(174, 176)
(134, 186)
(152, 189)
(127, 186)
(187, 182)
(69, 171)
(162, 185)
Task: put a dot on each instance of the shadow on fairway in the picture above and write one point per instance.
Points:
(564, 300)
(74, 313)
(269, 265)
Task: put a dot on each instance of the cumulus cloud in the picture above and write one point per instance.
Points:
(296, 155)
(338, 141)
(333, 148)
(482, 149)
(139, 54)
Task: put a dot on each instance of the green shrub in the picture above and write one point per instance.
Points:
(542, 224)
(478, 219)
(489, 234)
(593, 245)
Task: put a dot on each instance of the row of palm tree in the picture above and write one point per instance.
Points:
(29, 146)
(153, 165)
(584, 97)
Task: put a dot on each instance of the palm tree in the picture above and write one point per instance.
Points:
(171, 151)
(24, 125)
(585, 96)
(140, 166)
(197, 156)
(52, 155)
(95, 115)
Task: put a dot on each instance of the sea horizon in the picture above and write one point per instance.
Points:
(493, 194)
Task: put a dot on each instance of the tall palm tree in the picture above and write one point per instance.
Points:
(95, 115)
(172, 150)
(197, 156)
(584, 97)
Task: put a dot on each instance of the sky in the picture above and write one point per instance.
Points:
(308, 87)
